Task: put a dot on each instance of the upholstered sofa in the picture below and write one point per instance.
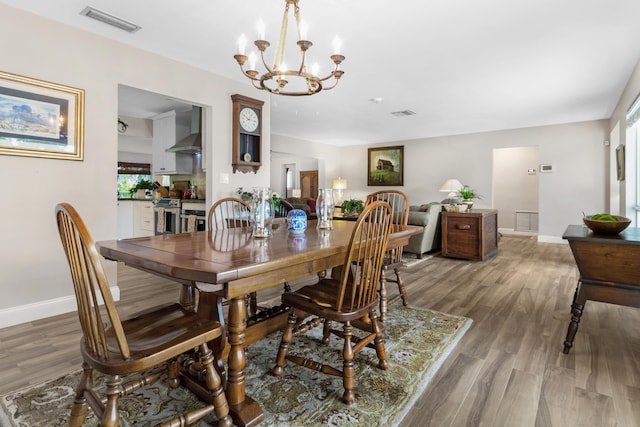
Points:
(428, 217)
(307, 205)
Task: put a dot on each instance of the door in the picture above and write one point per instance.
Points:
(309, 184)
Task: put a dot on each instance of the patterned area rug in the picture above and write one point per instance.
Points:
(417, 343)
(411, 260)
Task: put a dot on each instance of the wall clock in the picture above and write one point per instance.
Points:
(247, 134)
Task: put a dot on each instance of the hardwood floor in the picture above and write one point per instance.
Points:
(508, 370)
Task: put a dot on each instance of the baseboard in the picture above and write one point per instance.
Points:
(551, 239)
(39, 310)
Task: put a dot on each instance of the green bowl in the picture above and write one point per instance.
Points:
(607, 227)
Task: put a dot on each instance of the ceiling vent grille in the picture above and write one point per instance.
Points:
(103, 17)
(402, 113)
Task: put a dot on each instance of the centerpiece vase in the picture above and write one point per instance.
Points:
(262, 212)
(325, 208)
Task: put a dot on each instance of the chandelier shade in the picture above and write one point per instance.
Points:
(278, 78)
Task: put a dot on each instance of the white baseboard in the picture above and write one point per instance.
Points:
(39, 310)
(551, 239)
(541, 239)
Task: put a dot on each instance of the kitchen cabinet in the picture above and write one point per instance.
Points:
(125, 219)
(135, 218)
(142, 218)
(166, 132)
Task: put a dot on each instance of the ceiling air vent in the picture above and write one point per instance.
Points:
(101, 16)
(402, 113)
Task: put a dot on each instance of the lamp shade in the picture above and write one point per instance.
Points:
(339, 184)
(451, 185)
(296, 192)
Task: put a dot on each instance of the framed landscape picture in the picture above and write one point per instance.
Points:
(40, 118)
(385, 166)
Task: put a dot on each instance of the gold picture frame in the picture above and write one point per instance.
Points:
(385, 166)
(40, 118)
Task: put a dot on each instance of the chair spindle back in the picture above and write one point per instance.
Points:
(90, 284)
(229, 212)
(365, 254)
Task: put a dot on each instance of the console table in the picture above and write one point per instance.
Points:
(609, 269)
(470, 235)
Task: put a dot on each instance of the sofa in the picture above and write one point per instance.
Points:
(307, 205)
(428, 217)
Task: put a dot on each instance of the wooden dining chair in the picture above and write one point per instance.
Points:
(167, 334)
(229, 212)
(393, 258)
(351, 300)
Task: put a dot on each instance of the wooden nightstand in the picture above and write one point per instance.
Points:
(470, 235)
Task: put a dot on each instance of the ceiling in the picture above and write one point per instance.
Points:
(462, 66)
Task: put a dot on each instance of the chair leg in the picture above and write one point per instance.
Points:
(326, 331)
(348, 370)
(403, 293)
(111, 414)
(287, 337)
(378, 342)
(80, 407)
(383, 297)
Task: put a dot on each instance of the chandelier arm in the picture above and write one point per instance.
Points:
(332, 86)
(330, 75)
(269, 70)
(303, 67)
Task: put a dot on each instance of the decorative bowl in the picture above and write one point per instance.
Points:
(455, 208)
(607, 227)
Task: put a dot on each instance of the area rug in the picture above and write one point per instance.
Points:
(410, 260)
(417, 343)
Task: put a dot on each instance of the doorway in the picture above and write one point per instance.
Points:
(515, 188)
(309, 184)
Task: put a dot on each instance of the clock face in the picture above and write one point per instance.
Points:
(249, 119)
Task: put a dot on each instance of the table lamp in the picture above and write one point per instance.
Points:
(452, 186)
(339, 185)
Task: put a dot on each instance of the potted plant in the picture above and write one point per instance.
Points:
(352, 207)
(141, 188)
(468, 194)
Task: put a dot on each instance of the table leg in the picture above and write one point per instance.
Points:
(244, 410)
(576, 312)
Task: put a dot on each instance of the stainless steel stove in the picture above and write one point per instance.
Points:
(166, 218)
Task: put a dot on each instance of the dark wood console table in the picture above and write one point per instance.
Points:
(609, 269)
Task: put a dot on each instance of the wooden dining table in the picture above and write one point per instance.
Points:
(231, 263)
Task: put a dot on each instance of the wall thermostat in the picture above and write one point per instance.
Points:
(546, 168)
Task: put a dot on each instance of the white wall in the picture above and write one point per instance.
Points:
(575, 150)
(34, 277)
(307, 155)
(515, 183)
(630, 93)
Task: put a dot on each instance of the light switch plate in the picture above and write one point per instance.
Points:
(224, 178)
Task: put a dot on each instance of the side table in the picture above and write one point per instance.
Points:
(470, 235)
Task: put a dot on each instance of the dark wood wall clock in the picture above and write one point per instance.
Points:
(247, 134)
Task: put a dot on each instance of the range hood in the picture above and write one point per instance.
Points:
(192, 143)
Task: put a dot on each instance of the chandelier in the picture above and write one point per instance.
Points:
(276, 78)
